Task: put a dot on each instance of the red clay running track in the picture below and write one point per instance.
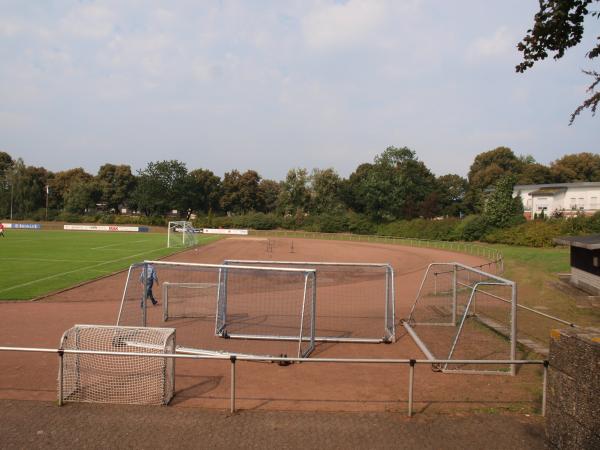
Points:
(326, 387)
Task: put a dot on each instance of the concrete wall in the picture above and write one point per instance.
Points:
(585, 281)
(573, 403)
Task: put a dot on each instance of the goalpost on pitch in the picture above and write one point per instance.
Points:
(181, 233)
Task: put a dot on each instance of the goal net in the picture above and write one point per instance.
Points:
(463, 313)
(201, 301)
(355, 301)
(181, 234)
(189, 300)
(102, 378)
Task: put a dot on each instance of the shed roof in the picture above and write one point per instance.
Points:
(590, 242)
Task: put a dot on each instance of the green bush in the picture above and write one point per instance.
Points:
(594, 223)
(471, 228)
(536, 233)
(256, 221)
(359, 224)
(574, 225)
(69, 217)
(333, 223)
(107, 218)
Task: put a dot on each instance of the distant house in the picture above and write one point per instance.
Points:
(565, 198)
(585, 261)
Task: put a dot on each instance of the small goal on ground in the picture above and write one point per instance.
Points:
(117, 378)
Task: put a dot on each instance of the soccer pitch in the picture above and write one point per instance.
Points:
(33, 263)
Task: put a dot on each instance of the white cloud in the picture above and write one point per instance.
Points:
(501, 43)
(90, 21)
(9, 28)
(270, 85)
(338, 25)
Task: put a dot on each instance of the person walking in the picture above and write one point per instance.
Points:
(151, 277)
(2, 229)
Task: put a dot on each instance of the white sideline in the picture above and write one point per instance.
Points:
(118, 244)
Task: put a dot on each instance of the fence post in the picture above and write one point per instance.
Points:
(544, 387)
(232, 358)
(411, 378)
(60, 377)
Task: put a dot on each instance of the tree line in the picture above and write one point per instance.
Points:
(396, 185)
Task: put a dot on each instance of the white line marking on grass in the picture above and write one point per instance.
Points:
(58, 275)
(52, 260)
(120, 243)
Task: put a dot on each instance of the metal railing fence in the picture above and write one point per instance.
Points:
(494, 255)
(233, 359)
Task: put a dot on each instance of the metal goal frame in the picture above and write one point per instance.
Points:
(388, 329)
(457, 319)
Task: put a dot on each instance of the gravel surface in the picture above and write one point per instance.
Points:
(30, 424)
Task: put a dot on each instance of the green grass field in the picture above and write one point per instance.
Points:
(33, 263)
(534, 270)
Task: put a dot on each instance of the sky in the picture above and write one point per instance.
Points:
(274, 85)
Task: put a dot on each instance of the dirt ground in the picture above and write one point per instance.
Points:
(260, 386)
(35, 425)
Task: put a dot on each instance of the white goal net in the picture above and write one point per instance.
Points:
(355, 301)
(181, 234)
(117, 378)
(209, 302)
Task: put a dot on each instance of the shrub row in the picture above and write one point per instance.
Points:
(536, 233)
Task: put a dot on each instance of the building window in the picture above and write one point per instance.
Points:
(573, 203)
(581, 203)
(528, 205)
(542, 203)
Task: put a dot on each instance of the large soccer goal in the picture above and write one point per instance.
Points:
(355, 301)
(107, 378)
(463, 313)
(181, 234)
(252, 303)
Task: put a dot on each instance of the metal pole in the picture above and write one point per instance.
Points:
(60, 378)
(544, 387)
(454, 295)
(144, 299)
(411, 378)
(232, 358)
(12, 186)
(47, 194)
(513, 329)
